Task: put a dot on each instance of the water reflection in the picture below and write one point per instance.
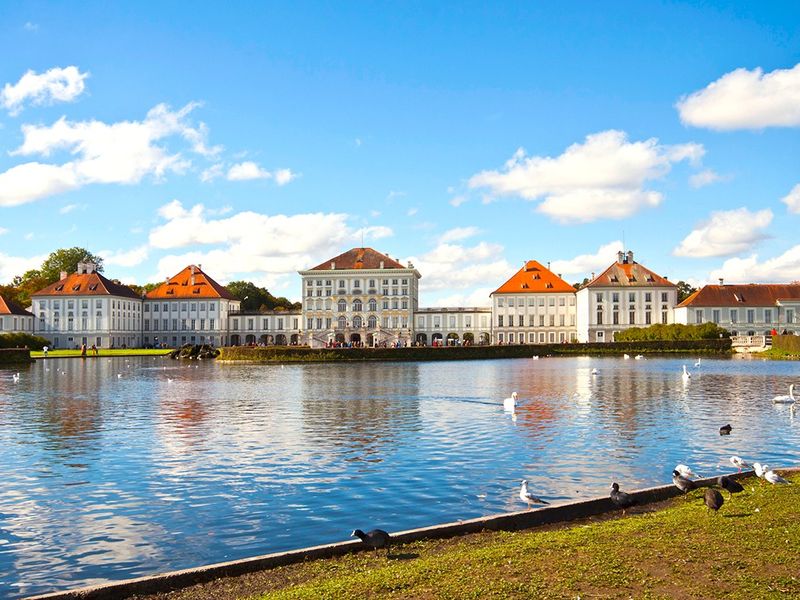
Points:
(116, 468)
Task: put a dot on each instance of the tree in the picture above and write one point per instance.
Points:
(257, 298)
(684, 291)
(578, 286)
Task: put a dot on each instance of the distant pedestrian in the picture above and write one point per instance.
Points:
(45, 349)
(94, 350)
(83, 350)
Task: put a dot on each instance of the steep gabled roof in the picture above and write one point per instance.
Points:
(629, 274)
(86, 284)
(533, 278)
(191, 282)
(359, 258)
(9, 307)
(751, 294)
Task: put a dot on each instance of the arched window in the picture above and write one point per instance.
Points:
(373, 305)
(327, 304)
(342, 323)
(357, 305)
(357, 322)
(341, 306)
(372, 322)
(319, 305)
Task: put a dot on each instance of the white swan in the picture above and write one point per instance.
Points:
(638, 357)
(15, 377)
(685, 471)
(686, 375)
(697, 364)
(773, 477)
(511, 402)
(739, 463)
(535, 357)
(526, 496)
(790, 399)
(595, 371)
(626, 356)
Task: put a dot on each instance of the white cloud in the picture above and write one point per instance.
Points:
(457, 267)
(29, 26)
(11, 266)
(783, 268)
(247, 170)
(478, 297)
(585, 264)
(3, 231)
(457, 201)
(745, 99)
(68, 208)
(412, 211)
(458, 233)
(792, 200)
(129, 258)
(284, 176)
(274, 246)
(54, 85)
(726, 233)
(704, 178)
(212, 173)
(123, 153)
(603, 177)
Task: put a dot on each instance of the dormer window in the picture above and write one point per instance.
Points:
(59, 287)
(76, 287)
(93, 287)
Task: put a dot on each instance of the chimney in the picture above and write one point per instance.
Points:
(592, 279)
(721, 281)
(630, 257)
(63, 275)
(193, 269)
(548, 265)
(559, 275)
(199, 267)
(620, 256)
(333, 266)
(381, 265)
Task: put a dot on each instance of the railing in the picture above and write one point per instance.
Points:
(751, 341)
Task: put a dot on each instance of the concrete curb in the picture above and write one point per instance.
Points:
(173, 580)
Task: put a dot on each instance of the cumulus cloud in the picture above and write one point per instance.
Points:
(457, 201)
(11, 266)
(273, 246)
(780, 269)
(68, 208)
(55, 85)
(745, 99)
(247, 170)
(3, 231)
(726, 233)
(584, 264)
(457, 267)
(284, 176)
(122, 153)
(704, 178)
(125, 258)
(458, 233)
(478, 298)
(602, 177)
(792, 200)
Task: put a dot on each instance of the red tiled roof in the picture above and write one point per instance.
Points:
(629, 274)
(191, 282)
(534, 278)
(751, 294)
(86, 284)
(9, 307)
(359, 258)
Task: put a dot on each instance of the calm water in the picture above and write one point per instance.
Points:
(168, 466)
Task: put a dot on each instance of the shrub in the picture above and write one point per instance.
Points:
(23, 340)
(674, 332)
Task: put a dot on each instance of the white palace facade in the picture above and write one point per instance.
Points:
(363, 297)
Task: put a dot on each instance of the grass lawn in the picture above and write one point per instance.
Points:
(676, 549)
(101, 352)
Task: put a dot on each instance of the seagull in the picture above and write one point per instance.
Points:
(774, 478)
(15, 377)
(510, 403)
(697, 364)
(683, 484)
(375, 539)
(790, 399)
(739, 463)
(760, 469)
(686, 375)
(685, 471)
(621, 500)
(713, 500)
(726, 483)
(526, 496)
(725, 429)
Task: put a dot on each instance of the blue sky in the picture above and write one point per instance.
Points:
(258, 140)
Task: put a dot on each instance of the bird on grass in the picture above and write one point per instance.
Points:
(760, 470)
(725, 429)
(726, 483)
(713, 500)
(682, 483)
(526, 496)
(621, 500)
(375, 539)
(685, 471)
(774, 478)
(510, 403)
(739, 463)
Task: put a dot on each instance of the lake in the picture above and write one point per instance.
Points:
(117, 468)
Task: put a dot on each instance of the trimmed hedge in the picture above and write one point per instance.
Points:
(673, 332)
(304, 354)
(788, 343)
(23, 340)
(10, 356)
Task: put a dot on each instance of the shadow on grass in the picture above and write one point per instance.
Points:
(403, 556)
(738, 515)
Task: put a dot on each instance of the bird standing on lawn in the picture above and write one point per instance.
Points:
(713, 500)
(683, 484)
(621, 500)
(739, 463)
(726, 483)
(375, 539)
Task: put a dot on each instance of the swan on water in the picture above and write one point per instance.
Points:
(15, 377)
(638, 357)
(790, 399)
(511, 402)
(595, 371)
(686, 375)
(626, 356)
(697, 364)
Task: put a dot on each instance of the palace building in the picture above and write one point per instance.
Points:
(14, 318)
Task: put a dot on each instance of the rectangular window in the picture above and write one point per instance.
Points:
(648, 297)
(452, 322)
(615, 317)
(183, 324)
(561, 320)
(768, 315)
(631, 317)
(647, 318)
(310, 324)
(511, 302)
(664, 317)
(664, 296)
(631, 297)
(211, 324)
(250, 324)
(192, 324)
(499, 320)
(531, 320)
(698, 316)
(715, 316)
(552, 320)
(789, 315)
(541, 320)
(599, 317)
(751, 315)
(734, 315)
(193, 307)
(202, 324)
(599, 297)
(615, 297)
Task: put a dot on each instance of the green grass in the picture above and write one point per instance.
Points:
(778, 354)
(750, 549)
(101, 352)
